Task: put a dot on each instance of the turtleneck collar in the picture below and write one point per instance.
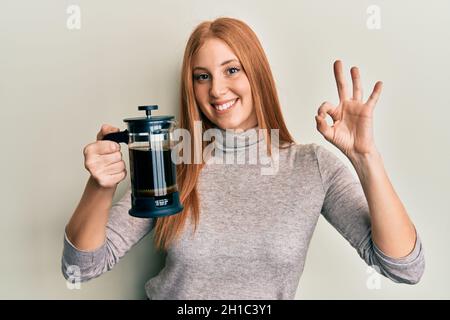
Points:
(230, 140)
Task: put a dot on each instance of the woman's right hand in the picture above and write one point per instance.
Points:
(103, 160)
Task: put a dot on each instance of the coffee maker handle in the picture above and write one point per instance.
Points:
(118, 137)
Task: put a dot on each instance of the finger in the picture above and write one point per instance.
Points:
(323, 127)
(375, 94)
(112, 180)
(118, 176)
(106, 147)
(327, 108)
(111, 158)
(98, 163)
(115, 168)
(356, 80)
(101, 147)
(105, 129)
(340, 80)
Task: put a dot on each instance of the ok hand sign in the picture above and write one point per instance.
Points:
(352, 129)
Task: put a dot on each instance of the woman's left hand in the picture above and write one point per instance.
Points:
(352, 129)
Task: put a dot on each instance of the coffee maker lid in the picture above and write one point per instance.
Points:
(149, 123)
(149, 117)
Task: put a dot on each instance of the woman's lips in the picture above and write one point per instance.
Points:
(226, 110)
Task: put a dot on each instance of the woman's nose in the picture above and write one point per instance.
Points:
(218, 88)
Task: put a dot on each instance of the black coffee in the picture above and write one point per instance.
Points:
(152, 172)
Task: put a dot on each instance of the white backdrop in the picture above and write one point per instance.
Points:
(58, 85)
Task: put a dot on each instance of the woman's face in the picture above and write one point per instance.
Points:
(221, 87)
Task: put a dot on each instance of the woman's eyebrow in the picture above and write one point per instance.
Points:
(222, 64)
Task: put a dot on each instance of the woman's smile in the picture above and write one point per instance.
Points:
(224, 107)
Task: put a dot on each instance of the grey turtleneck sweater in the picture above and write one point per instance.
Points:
(255, 228)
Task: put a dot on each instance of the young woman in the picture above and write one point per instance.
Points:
(242, 234)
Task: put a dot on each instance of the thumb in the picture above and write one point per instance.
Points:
(105, 129)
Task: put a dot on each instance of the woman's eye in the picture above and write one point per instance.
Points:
(233, 70)
(200, 77)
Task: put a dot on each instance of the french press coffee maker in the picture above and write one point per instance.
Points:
(154, 191)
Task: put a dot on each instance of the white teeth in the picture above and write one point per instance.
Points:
(225, 105)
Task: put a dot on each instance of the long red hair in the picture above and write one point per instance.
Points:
(246, 46)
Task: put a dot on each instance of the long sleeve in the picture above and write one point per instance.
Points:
(122, 233)
(345, 208)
